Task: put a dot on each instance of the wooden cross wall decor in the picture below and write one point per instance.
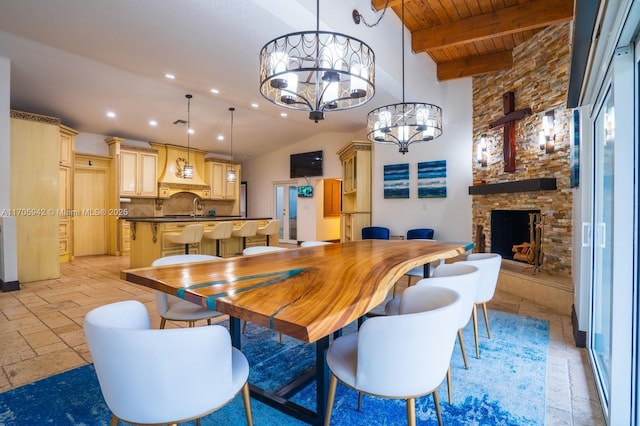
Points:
(508, 121)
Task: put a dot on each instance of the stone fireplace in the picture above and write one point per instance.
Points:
(541, 180)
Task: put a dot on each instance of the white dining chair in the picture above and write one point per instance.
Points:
(261, 250)
(314, 243)
(418, 271)
(173, 308)
(424, 333)
(459, 277)
(150, 376)
(489, 266)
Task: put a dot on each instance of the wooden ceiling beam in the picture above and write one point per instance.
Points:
(527, 16)
(378, 5)
(475, 65)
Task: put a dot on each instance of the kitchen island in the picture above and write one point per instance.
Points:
(149, 241)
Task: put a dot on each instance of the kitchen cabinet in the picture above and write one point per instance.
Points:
(138, 173)
(35, 194)
(216, 177)
(355, 158)
(125, 237)
(65, 188)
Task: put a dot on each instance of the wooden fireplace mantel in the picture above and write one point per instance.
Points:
(527, 185)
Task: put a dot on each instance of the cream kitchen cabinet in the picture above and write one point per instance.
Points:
(65, 187)
(138, 173)
(216, 176)
(356, 189)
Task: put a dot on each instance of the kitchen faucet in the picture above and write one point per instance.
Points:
(196, 206)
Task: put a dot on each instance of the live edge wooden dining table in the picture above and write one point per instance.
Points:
(308, 293)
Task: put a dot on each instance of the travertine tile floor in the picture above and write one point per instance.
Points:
(41, 334)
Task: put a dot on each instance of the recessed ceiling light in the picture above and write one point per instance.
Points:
(111, 114)
(190, 131)
(215, 91)
(170, 76)
(153, 123)
(220, 137)
(283, 114)
(254, 105)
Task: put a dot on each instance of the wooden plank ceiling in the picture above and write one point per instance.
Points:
(472, 37)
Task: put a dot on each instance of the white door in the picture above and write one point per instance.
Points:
(612, 344)
(286, 210)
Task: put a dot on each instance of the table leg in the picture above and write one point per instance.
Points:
(322, 379)
(426, 270)
(235, 331)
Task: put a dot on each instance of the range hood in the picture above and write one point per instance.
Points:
(171, 180)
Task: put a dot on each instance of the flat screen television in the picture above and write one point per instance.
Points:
(305, 191)
(306, 164)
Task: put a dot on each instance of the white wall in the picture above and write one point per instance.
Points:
(450, 217)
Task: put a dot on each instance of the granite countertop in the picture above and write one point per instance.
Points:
(188, 218)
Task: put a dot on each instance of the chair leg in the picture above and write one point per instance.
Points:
(244, 243)
(486, 318)
(280, 337)
(198, 422)
(436, 402)
(359, 402)
(246, 399)
(163, 322)
(114, 420)
(464, 354)
(333, 383)
(192, 323)
(449, 384)
(474, 313)
(208, 321)
(217, 247)
(186, 249)
(411, 412)
(244, 327)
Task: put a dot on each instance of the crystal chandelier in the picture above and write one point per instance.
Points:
(187, 170)
(404, 123)
(317, 71)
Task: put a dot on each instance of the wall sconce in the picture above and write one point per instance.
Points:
(481, 151)
(547, 134)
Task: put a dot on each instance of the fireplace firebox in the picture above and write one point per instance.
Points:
(509, 228)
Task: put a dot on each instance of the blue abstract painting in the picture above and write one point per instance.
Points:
(396, 181)
(432, 179)
(575, 150)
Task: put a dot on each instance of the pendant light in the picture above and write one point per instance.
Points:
(231, 170)
(317, 71)
(404, 123)
(187, 171)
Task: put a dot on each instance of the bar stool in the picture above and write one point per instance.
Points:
(247, 229)
(221, 231)
(270, 228)
(191, 234)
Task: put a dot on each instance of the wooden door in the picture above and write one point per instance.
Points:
(91, 209)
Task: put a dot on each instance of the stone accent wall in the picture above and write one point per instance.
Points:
(539, 78)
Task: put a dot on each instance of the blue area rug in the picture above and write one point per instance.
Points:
(506, 386)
